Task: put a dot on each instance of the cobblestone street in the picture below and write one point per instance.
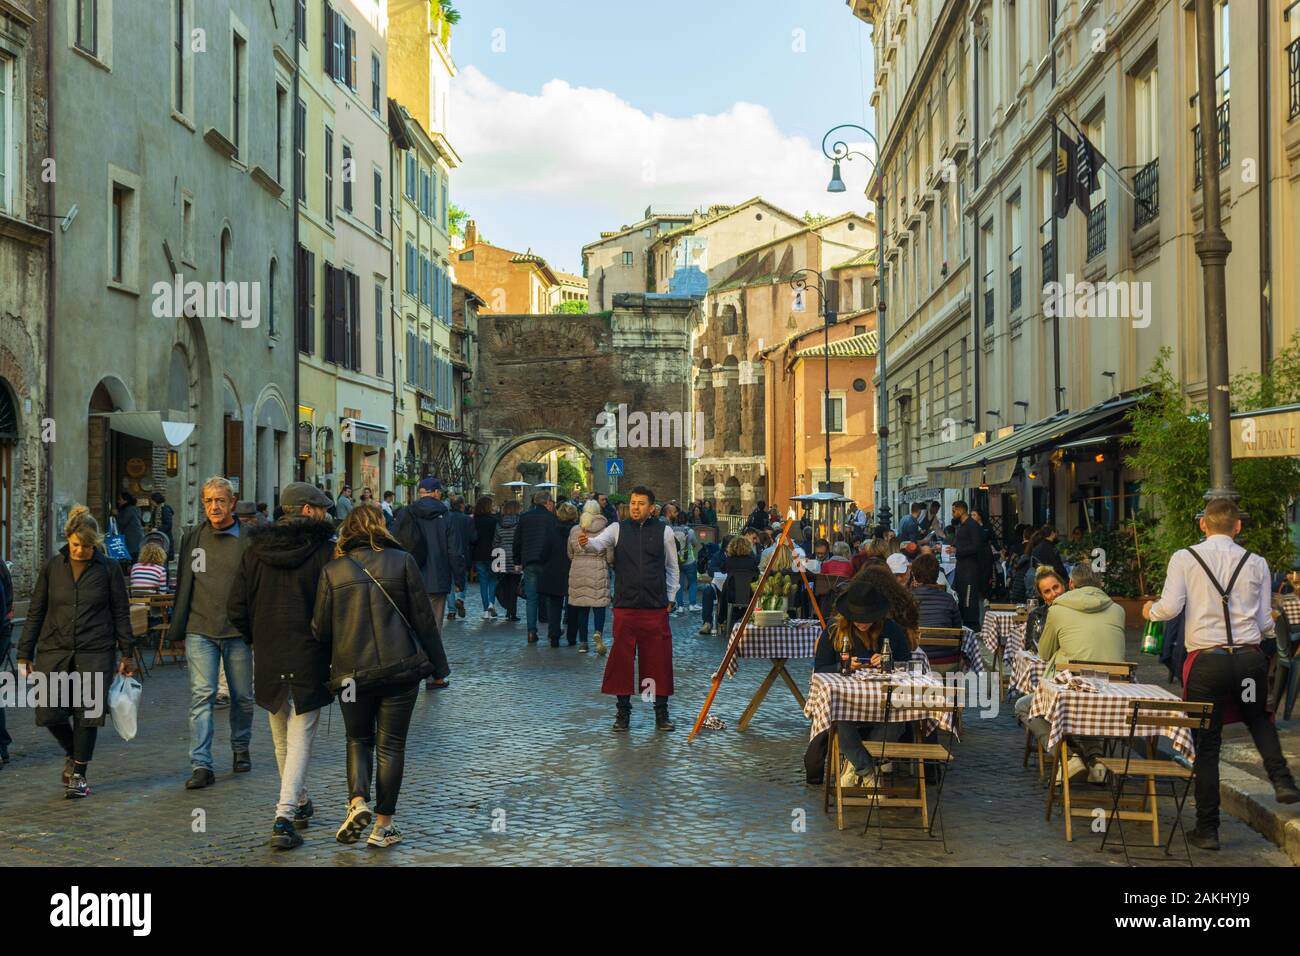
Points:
(522, 739)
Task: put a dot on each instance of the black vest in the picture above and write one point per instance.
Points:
(639, 570)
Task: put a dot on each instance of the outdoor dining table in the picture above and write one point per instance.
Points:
(1099, 707)
(1026, 671)
(791, 639)
(1003, 631)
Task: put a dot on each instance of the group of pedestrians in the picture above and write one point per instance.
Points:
(300, 610)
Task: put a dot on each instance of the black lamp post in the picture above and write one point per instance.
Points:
(799, 281)
(838, 151)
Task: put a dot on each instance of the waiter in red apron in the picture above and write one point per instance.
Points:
(645, 581)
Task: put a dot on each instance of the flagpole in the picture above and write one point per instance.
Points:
(1117, 173)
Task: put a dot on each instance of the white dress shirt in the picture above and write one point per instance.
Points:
(609, 537)
(1186, 586)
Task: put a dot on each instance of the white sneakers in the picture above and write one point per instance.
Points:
(1075, 767)
(358, 818)
(850, 777)
(384, 836)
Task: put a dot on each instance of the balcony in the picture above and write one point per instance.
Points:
(1146, 194)
(1293, 58)
(1016, 288)
(1222, 120)
(1049, 266)
(1097, 230)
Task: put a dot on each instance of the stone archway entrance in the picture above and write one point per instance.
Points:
(532, 458)
(551, 377)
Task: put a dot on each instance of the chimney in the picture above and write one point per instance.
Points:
(471, 233)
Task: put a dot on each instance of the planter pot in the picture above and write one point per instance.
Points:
(1133, 609)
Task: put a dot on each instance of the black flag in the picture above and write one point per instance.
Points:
(1087, 162)
(1064, 180)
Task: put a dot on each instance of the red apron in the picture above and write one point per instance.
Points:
(644, 634)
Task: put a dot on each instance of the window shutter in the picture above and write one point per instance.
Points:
(235, 450)
(354, 320)
(328, 314)
(329, 38)
(340, 316)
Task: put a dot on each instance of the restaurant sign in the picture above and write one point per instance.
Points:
(1270, 433)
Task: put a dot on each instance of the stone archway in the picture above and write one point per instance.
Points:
(556, 376)
(523, 452)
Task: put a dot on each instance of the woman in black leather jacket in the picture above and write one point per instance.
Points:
(373, 613)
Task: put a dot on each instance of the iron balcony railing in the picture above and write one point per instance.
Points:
(1293, 58)
(1222, 119)
(1097, 230)
(988, 297)
(1146, 194)
(1049, 266)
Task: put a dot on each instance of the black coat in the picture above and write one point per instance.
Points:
(535, 536)
(1045, 553)
(271, 602)
(78, 626)
(1022, 578)
(554, 578)
(485, 527)
(969, 543)
(131, 528)
(426, 531)
(368, 641)
(827, 658)
(985, 561)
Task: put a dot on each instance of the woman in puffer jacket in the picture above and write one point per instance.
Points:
(588, 578)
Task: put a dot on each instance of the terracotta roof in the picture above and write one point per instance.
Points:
(855, 346)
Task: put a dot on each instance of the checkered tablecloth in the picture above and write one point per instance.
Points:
(1291, 608)
(1026, 671)
(791, 638)
(1095, 707)
(860, 698)
(1002, 627)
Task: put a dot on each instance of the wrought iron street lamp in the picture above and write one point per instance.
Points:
(838, 151)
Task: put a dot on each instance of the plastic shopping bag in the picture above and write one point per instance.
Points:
(124, 705)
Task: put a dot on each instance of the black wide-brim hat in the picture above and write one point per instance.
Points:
(862, 602)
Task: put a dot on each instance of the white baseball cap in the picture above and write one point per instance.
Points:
(897, 563)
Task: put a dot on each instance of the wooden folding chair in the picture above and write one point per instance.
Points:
(1003, 607)
(824, 589)
(163, 605)
(945, 640)
(1148, 717)
(1114, 670)
(742, 591)
(949, 700)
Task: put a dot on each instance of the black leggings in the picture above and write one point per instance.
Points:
(377, 722)
(78, 743)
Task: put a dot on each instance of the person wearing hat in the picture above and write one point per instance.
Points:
(901, 568)
(246, 513)
(860, 627)
(425, 530)
(271, 603)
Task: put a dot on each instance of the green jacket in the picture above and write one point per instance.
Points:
(1083, 624)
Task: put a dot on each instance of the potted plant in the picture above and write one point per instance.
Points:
(773, 600)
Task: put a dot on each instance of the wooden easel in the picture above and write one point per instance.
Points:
(733, 645)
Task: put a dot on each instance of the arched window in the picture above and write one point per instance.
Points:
(227, 305)
(730, 322)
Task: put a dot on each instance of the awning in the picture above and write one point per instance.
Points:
(357, 432)
(995, 462)
(1266, 433)
(151, 427)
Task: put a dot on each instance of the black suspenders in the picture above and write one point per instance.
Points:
(1223, 592)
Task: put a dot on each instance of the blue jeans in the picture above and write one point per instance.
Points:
(487, 583)
(686, 584)
(205, 657)
(578, 618)
(531, 573)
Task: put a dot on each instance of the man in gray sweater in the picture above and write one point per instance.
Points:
(209, 557)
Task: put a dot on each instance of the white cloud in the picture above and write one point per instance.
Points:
(593, 153)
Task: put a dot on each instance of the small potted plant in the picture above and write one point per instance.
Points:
(773, 600)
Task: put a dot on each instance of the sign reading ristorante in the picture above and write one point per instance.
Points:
(1266, 434)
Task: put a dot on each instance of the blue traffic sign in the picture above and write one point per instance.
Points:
(614, 467)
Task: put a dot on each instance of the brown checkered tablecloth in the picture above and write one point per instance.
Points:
(1095, 707)
(860, 698)
(791, 638)
(1002, 627)
(1026, 671)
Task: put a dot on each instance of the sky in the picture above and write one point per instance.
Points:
(572, 116)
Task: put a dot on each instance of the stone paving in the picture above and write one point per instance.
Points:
(515, 764)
